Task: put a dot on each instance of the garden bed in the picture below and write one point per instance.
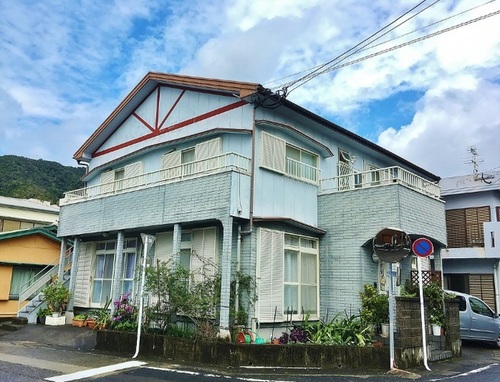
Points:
(227, 354)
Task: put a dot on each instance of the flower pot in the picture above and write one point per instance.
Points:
(385, 330)
(56, 314)
(436, 330)
(90, 323)
(78, 322)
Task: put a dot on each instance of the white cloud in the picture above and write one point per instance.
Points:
(65, 67)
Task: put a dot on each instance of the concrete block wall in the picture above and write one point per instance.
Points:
(198, 199)
(351, 220)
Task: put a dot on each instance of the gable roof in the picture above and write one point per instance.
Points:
(143, 89)
(49, 231)
(250, 92)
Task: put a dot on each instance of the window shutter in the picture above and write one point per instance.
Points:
(208, 149)
(171, 164)
(82, 282)
(164, 247)
(273, 151)
(132, 172)
(203, 257)
(270, 276)
(207, 155)
(107, 182)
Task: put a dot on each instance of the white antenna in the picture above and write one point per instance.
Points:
(475, 162)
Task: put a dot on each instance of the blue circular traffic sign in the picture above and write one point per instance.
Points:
(422, 247)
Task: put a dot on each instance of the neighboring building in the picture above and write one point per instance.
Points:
(228, 174)
(28, 245)
(27, 257)
(26, 213)
(471, 261)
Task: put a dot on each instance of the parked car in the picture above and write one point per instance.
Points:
(478, 322)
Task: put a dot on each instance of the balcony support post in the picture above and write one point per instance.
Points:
(225, 277)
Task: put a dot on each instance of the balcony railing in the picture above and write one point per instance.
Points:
(216, 164)
(380, 177)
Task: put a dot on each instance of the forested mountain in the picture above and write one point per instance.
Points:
(26, 178)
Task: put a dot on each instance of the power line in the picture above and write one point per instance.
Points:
(315, 72)
(332, 68)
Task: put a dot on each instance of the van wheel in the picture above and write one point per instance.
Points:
(497, 342)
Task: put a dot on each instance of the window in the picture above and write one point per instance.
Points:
(22, 278)
(121, 178)
(465, 226)
(129, 262)
(480, 307)
(288, 275)
(293, 161)
(104, 274)
(201, 158)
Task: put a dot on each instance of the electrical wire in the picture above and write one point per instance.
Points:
(313, 72)
(428, 25)
(366, 41)
(332, 68)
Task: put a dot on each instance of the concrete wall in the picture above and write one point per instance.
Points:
(198, 199)
(351, 220)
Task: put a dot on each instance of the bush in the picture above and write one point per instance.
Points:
(374, 306)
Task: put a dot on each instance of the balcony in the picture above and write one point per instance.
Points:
(379, 177)
(221, 163)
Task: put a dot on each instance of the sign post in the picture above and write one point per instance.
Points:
(391, 245)
(422, 247)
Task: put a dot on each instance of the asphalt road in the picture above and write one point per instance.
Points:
(37, 353)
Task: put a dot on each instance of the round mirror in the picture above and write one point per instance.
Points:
(391, 245)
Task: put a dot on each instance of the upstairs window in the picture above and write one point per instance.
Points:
(465, 228)
(121, 178)
(197, 159)
(285, 158)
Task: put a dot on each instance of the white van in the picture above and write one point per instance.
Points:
(478, 322)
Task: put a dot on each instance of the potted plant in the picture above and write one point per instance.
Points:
(433, 296)
(41, 314)
(78, 320)
(56, 297)
(98, 319)
(375, 308)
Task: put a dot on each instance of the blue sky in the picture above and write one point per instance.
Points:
(65, 65)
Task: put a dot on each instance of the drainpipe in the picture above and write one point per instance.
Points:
(238, 267)
(252, 179)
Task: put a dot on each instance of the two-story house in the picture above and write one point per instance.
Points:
(29, 250)
(227, 174)
(471, 260)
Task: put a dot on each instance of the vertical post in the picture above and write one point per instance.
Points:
(422, 315)
(116, 290)
(62, 256)
(147, 241)
(74, 272)
(391, 315)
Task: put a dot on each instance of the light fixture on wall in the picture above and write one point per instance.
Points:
(105, 234)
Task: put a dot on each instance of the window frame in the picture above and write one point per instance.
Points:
(274, 156)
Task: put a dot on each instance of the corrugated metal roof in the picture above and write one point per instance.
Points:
(467, 184)
(31, 204)
(49, 231)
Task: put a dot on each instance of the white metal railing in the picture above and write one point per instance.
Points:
(302, 171)
(379, 177)
(38, 282)
(224, 162)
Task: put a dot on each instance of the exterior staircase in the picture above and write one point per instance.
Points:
(32, 291)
